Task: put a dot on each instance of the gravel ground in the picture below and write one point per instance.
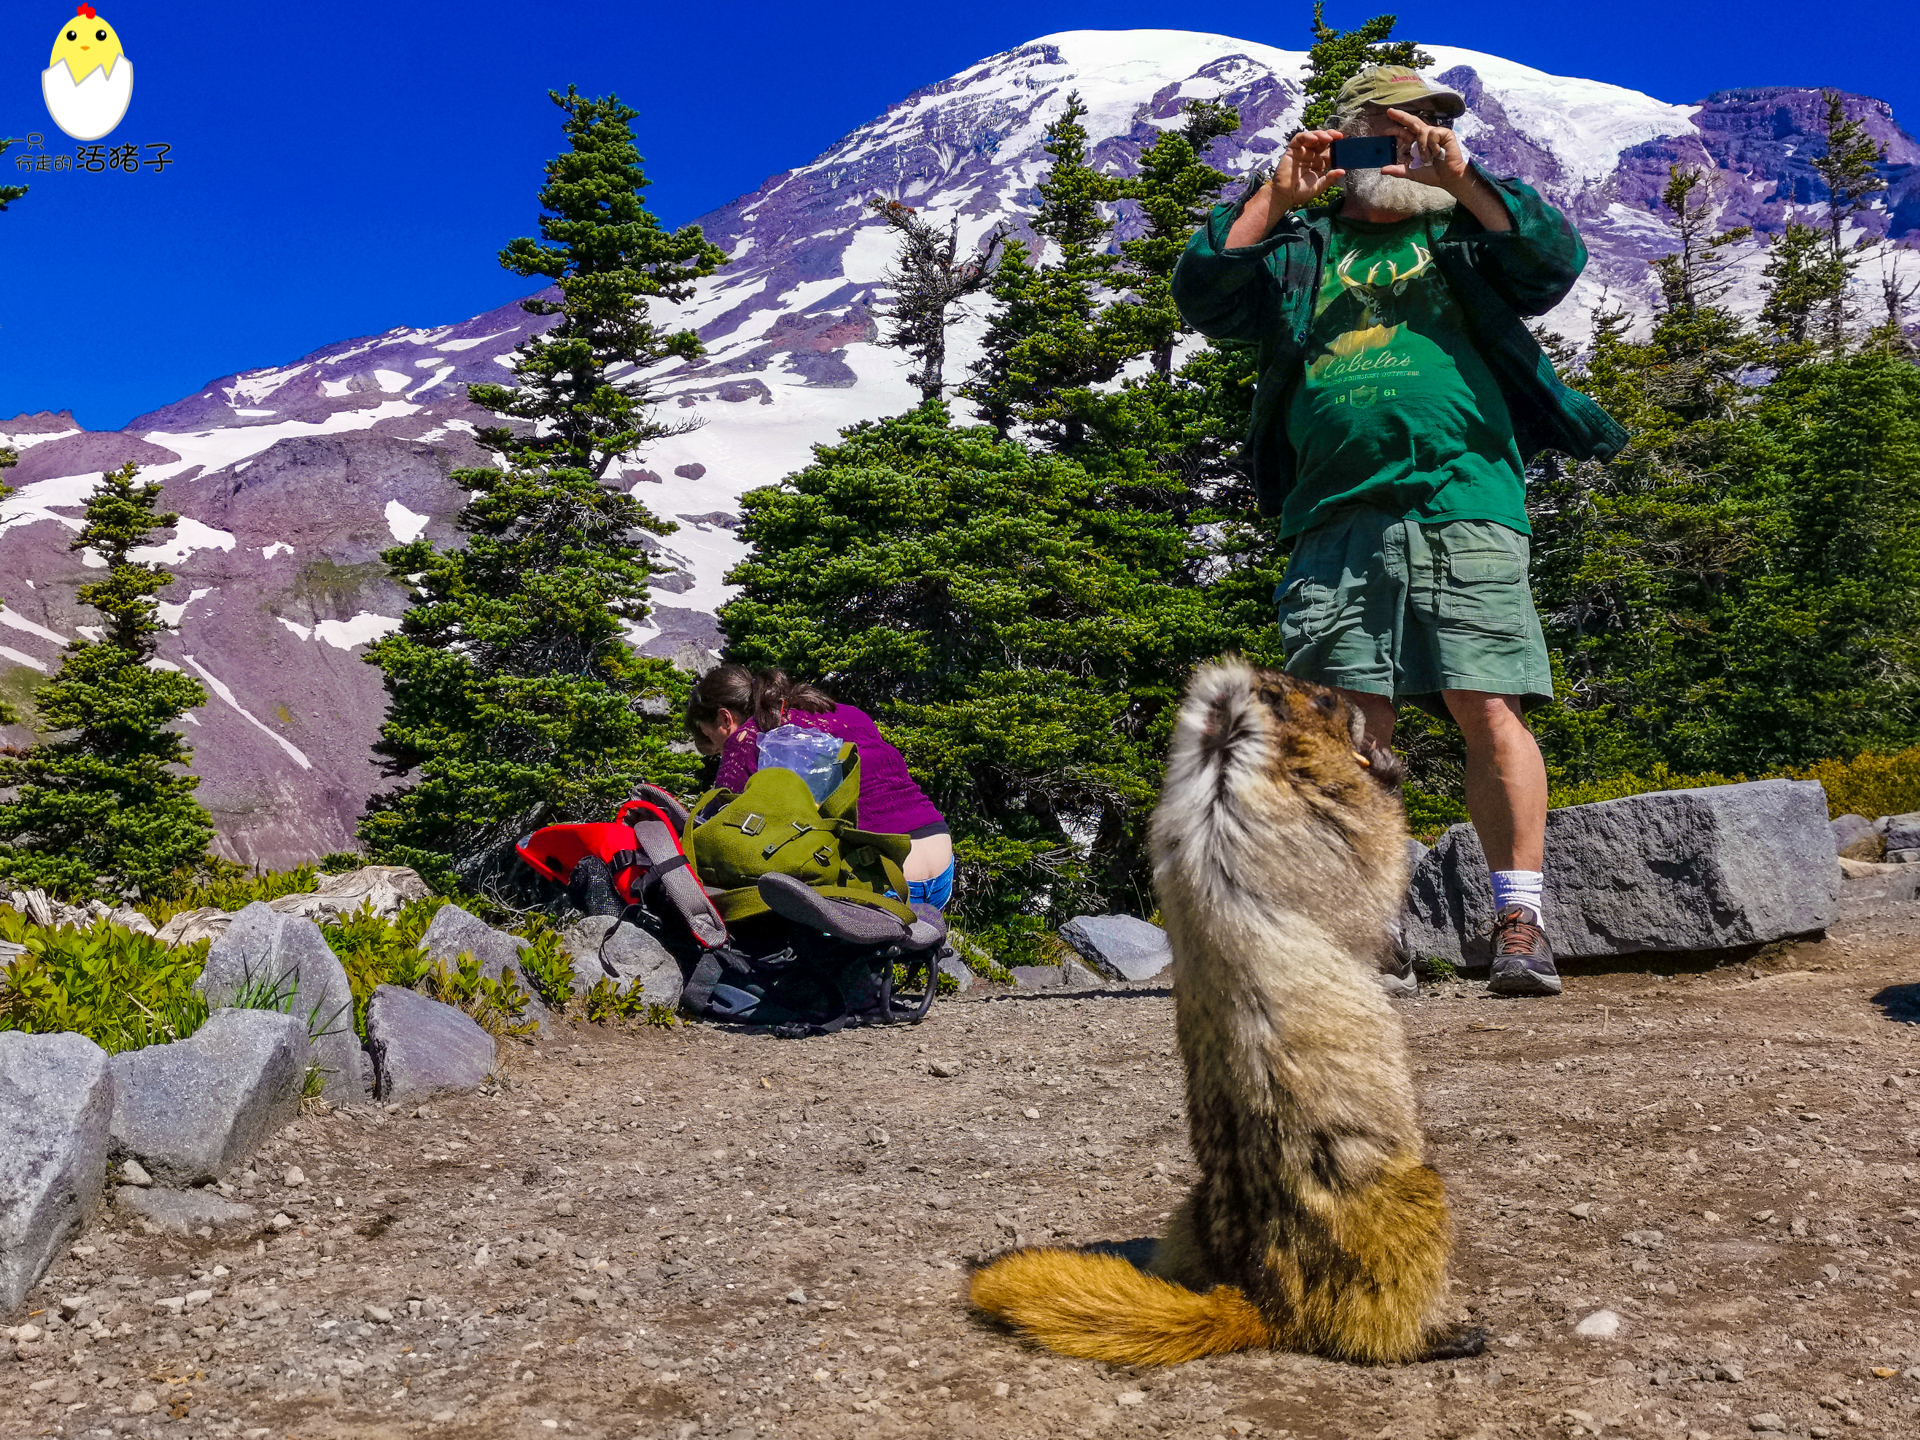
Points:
(690, 1232)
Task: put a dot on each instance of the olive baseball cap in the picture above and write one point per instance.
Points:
(1396, 85)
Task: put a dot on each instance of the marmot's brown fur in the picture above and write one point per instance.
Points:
(1279, 854)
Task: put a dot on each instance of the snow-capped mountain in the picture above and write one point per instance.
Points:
(291, 480)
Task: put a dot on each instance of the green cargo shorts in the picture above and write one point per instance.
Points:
(1396, 608)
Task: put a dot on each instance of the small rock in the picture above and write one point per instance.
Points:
(1763, 1216)
(1582, 1211)
(945, 1069)
(1600, 1325)
(83, 1252)
(1710, 1217)
(940, 1202)
(280, 1222)
(142, 1403)
(564, 1207)
(132, 1172)
(580, 1295)
(1732, 1374)
(378, 1314)
(1031, 1113)
(1075, 976)
(442, 1417)
(1131, 1397)
(796, 1296)
(194, 1299)
(1766, 1420)
(296, 1177)
(183, 1212)
(1001, 1390)
(172, 1304)
(1644, 1239)
(72, 1305)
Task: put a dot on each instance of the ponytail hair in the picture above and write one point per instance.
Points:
(762, 696)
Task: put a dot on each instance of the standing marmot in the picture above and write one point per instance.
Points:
(1279, 857)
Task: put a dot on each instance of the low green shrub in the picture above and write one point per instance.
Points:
(496, 1006)
(546, 962)
(1869, 785)
(375, 951)
(121, 989)
(225, 886)
(605, 1003)
(1618, 787)
(1429, 815)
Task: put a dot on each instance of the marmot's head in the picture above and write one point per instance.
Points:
(1271, 779)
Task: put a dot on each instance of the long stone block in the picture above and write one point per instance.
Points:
(1674, 871)
(56, 1109)
(288, 957)
(598, 944)
(190, 1110)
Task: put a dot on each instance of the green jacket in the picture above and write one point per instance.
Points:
(1264, 294)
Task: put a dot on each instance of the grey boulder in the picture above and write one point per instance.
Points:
(56, 1108)
(1076, 976)
(454, 932)
(1902, 831)
(265, 957)
(184, 1212)
(1123, 947)
(189, 1110)
(962, 976)
(1040, 977)
(606, 949)
(1673, 871)
(422, 1048)
(1854, 838)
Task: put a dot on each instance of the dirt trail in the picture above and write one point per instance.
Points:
(689, 1232)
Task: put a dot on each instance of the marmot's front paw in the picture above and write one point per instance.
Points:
(1455, 1344)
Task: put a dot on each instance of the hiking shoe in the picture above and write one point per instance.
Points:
(1522, 959)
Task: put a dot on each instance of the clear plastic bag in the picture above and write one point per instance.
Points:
(813, 755)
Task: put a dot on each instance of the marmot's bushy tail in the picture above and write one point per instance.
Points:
(1099, 1307)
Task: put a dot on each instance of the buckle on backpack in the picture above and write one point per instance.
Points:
(753, 824)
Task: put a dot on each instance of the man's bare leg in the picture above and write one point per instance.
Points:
(1506, 785)
(1506, 780)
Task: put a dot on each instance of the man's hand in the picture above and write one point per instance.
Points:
(1444, 165)
(1303, 175)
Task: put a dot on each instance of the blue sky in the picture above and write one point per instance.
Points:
(342, 168)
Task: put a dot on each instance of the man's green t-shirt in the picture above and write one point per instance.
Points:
(1396, 410)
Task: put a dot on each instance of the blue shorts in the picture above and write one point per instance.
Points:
(936, 892)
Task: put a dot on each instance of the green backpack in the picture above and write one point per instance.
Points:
(773, 826)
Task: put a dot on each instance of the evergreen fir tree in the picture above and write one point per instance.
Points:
(106, 803)
(928, 279)
(514, 698)
(1801, 280)
(989, 605)
(1849, 168)
(1336, 56)
(1047, 349)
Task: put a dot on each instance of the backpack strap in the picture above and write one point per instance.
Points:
(670, 872)
(843, 801)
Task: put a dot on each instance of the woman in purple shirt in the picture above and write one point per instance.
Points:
(730, 708)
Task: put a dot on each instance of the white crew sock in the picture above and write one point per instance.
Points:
(1519, 887)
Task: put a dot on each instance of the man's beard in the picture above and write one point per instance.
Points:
(1392, 192)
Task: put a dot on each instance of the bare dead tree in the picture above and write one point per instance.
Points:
(928, 277)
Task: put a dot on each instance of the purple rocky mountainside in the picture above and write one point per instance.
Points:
(291, 480)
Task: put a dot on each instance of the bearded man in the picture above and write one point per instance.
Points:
(1400, 399)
